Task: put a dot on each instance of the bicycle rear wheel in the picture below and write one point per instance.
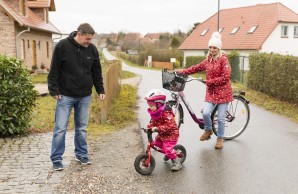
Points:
(178, 112)
(237, 118)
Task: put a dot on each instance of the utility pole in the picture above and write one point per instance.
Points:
(218, 16)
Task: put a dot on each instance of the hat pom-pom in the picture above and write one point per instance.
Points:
(216, 35)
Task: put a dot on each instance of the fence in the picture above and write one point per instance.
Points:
(162, 65)
(112, 84)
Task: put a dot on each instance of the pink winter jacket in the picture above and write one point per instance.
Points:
(167, 128)
(218, 74)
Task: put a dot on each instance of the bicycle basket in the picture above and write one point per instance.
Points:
(173, 82)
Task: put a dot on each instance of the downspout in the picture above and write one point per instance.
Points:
(28, 30)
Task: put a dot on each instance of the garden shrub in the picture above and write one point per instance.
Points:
(17, 97)
(193, 60)
(275, 75)
(233, 58)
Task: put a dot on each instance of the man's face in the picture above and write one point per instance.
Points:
(84, 39)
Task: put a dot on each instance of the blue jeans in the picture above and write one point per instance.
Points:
(81, 115)
(221, 114)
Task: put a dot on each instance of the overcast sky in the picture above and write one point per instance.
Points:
(143, 16)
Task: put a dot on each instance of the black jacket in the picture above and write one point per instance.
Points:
(75, 69)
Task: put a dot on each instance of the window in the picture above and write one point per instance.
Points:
(23, 48)
(204, 32)
(252, 29)
(235, 30)
(295, 31)
(284, 31)
(48, 50)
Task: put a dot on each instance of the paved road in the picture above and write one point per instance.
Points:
(262, 160)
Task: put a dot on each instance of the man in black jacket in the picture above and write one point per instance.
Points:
(75, 68)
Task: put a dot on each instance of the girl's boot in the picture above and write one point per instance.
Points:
(176, 164)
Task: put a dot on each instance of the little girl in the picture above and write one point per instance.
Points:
(163, 122)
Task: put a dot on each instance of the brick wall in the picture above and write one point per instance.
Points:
(7, 35)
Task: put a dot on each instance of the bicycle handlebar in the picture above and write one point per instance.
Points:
(191, 79)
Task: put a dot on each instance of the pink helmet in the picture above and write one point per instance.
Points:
(156, 95)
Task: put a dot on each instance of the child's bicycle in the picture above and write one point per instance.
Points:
(145, 162)
(237, 114)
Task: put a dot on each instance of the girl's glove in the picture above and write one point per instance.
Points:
(154, 129)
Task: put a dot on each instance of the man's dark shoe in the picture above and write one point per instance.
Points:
(58, 166)
(83, 160)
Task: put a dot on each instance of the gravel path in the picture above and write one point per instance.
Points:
(112, 170)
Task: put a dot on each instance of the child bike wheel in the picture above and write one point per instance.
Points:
(142, 166)
(181, 152)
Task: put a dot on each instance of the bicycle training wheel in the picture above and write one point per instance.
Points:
(237, 118)
(178, 112)
(142, 166)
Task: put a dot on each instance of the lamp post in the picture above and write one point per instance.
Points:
(218, 16)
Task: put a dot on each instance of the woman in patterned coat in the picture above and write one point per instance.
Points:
(218, 90)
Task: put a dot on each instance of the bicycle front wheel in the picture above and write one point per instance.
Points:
(237, 118)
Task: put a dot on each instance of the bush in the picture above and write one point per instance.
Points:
(193, 60)
(17, 97)
(234, 62)
(275, 75)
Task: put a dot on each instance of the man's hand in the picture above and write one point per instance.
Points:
(57, 97)
(102, 96)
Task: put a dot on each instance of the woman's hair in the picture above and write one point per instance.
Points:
(85, 28)
(219, 54)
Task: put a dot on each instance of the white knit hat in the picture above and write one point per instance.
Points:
(215, 40)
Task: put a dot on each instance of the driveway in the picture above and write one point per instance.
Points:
(261, 160)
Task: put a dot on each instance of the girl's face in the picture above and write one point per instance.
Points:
(152, 105)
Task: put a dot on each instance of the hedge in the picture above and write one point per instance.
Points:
(275, 75)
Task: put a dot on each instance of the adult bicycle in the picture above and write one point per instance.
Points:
(237, 114)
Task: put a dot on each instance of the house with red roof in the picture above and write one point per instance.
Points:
(270, 28)
(26, 32)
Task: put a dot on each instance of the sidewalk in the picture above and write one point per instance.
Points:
(25, 163)
(42, 89)
(26, 167)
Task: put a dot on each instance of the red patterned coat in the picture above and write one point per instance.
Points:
(218, 72)
(167, 127)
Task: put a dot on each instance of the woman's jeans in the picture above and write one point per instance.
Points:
(221, 114)
(81, 115)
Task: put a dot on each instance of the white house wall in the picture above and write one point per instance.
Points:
(285, 46)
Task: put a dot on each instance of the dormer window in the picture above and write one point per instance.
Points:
(284, 31)
(235, 30)
(252, 29)
(204, 32)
